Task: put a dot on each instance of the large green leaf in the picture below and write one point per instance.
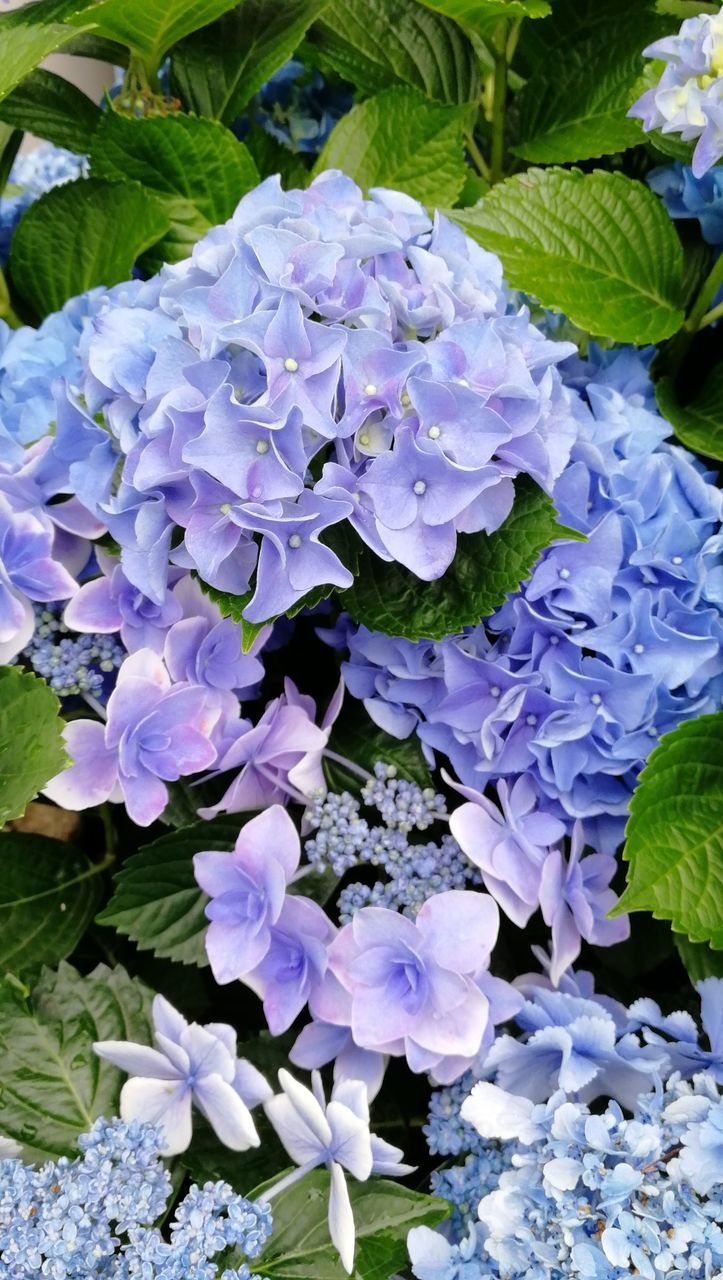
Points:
(48, 893)
(31, 741)
(197, 167)
(400, 139)
(23, 47)
(675, 833)
(600, 247)
(699, 960)
(575, 104)
(219, 70)
(383, 1213)
(699, 423)
(377, 43)
(52, 108)
(79, 235)
(150, 27)
(52, 1085)
(477, 14)
(386, 597)
(157, 901)
(10, 140)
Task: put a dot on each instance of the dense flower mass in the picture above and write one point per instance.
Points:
(688, 98)
(550, 1189)
(611, 642)
(406, 406)
(686, 196)
(94, 1216)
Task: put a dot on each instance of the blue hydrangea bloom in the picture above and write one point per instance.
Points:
(610, 643)
(686, 196)
(32, 174)
(299, 108)
(688, 97)
(93, 1216)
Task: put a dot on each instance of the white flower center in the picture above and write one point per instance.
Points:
(295, 540)
(290, 364)
(419, 487)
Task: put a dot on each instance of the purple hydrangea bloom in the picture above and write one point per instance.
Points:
(688, 98)
(413, 985)
(29, 571)
(315, 326)
(155, 733)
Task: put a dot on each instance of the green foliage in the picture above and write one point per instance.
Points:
(476, 15)
(377, 43)
(10, 140)
(699, 423)
(383, 1213)
(575, 104)
(675, 833)
(149, 27)
(79, 235)
(387, 597)
(48, 894)
(156, 901)
(31, 741)
(218, 71)
(23, 47)
(699, 960)
(196, 167)
(52, 108)
(400, 139)
(52, 1085)
(356, 737)
(600, 247)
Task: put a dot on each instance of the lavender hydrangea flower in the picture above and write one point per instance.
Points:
(413, 986)
(155, 733)
(688, 98)
(29, 572)
(191, 1064)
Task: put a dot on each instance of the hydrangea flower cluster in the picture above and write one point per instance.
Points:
(93, 1216)
(611, 642)
(592, 1195)
(299, 108)
(343, 839)
(572, 1044)
(32, 174)
(688, 97)
(406, 408)
(686, 196)
(72, 665)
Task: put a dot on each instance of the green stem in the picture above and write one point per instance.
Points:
(499, 102)
(480, 163)
(706, 294)
(710, 316)
(111, 835)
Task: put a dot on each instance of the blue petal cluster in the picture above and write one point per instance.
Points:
(299, 108)
(32, 174)
(343, 839)
(688, 97)
(93, 1216)
(686, 196)
(320, 359)
(72, 665)
(612, 641)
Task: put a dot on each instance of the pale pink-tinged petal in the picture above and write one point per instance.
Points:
(93, 608)
(93, 774)
(23, 631)
(460, 928)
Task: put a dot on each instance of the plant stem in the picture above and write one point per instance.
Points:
(706, 294)
(480, 163)
(499, 102)
(111, 835)
(348, 764)
(710, 316)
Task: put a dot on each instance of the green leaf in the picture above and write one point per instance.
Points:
(220, 69)
(386, 597)
(377, 43)
(271, 156)
(44, 915)
(22, 48)
(79, 235)
(400, 139)
(574, 106)
(699, 423)
(700, 962)
(52, 1085)
(10, 140)
(476, 14)
(150, 28)
(674, 837)
(197, 168)
(156, 900)
(31, 741)
(600, 247)
(52, 108)
(383, 1213)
